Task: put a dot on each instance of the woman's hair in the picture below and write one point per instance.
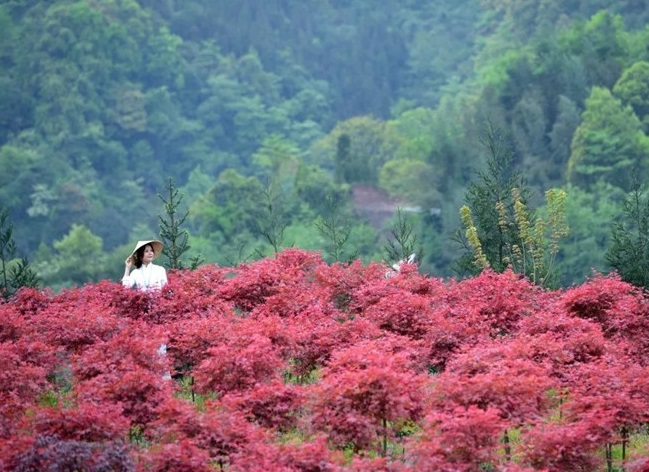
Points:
(139, 255)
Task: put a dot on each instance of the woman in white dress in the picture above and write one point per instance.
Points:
(146, 275)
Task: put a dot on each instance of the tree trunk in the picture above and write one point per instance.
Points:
(385, 437)
(609, 457)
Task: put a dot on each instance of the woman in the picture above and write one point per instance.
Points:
(147, 275)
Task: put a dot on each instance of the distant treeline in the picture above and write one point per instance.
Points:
(268, 114)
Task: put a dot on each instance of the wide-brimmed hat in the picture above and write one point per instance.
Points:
(155, 244)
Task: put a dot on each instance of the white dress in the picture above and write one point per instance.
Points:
(147, 277)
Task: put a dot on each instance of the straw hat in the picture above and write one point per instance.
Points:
(157, 246)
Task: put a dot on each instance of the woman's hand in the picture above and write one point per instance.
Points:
(128, 262)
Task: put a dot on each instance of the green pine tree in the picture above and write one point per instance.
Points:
(15, 272)
(500, 231)
(629, 250)
(174, 238)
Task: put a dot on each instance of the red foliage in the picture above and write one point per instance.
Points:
(594, 299)
(344, 280)
(109, 298)
(127, 369)
(220, 431)
(461, 440)
(514, 467)
(282, 332)
(190, 339)
(24, 370)
(375, 464)
(402, 313)
(132, 304)
(621, 310)
(496, 376)
(290, 301)
(51, 453)
(639, 465)
(400, 353)
(310, 456)
(444, 337)
(273, 406)
(85, 422)
(138, 391)
(255, 283)
(13, 324)
(492, 304)
(90, 433)
(563, 448)
(298, 293)
(24, 366)
(30, 301)
(610, 394)
(135, 347)
(474, 311)
(191, 294)
(180, 455)
(239, 364)
(76, 327)
(562, 341)
(409, 282)
(10, 412)
(314, 340)
(505, 353)
(361, 391)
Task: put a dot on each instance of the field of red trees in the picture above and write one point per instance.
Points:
(291, 364)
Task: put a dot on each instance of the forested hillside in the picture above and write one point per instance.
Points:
(269, 114)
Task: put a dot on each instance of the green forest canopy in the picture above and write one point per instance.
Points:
(101, 101)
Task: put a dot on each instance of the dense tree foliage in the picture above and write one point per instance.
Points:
(103, 101)
(15, 271)
(609, 144)
(289, 363)
(629, 249)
